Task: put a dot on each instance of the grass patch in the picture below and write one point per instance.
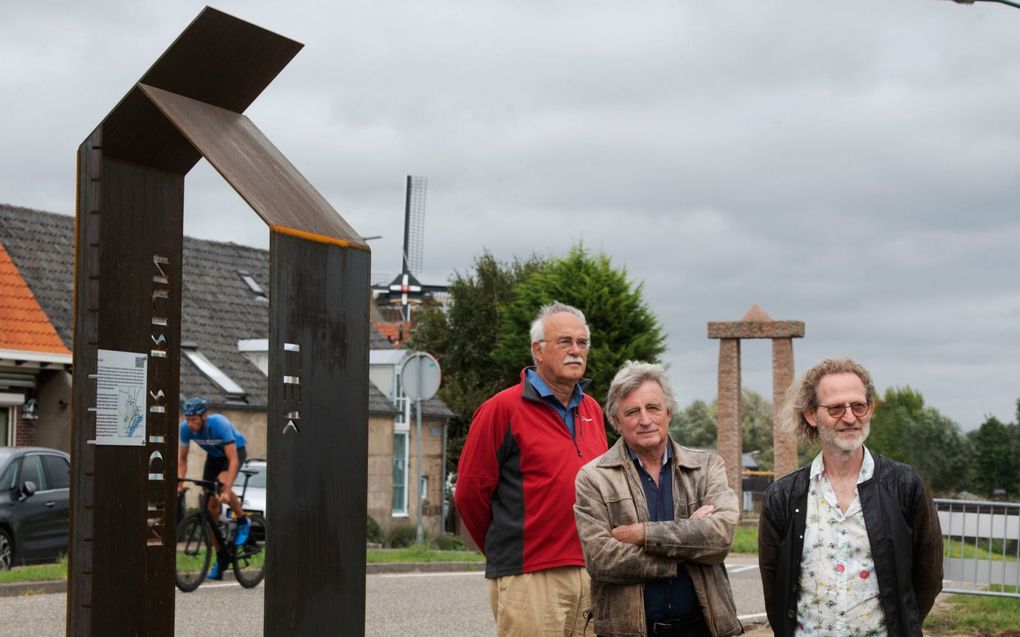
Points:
(954, 547)
(193, 563)
(745, 540)
(417, 554)
(420, 553)
(35, 573)
(975, 615)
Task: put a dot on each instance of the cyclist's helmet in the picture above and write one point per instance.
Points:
(195, 406)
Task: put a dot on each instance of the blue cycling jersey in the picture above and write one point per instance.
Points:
(217, 433)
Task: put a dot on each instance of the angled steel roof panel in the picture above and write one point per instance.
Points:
(218, 59)
(222, 60)
(256, 169)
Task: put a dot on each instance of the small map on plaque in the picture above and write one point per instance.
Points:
(120, 398)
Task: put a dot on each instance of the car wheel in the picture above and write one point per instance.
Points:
(6, 550)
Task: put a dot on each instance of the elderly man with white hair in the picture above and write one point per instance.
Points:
(515, 482)
(656, 521)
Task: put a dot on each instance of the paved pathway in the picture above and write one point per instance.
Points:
(429, 604)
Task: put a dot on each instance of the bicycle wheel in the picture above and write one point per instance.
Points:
(250, 559)
(194, 551)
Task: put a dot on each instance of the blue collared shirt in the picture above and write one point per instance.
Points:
(672, 598)
(566, 413)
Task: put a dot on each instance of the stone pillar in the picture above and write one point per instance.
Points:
(784, 444)
(728, 411)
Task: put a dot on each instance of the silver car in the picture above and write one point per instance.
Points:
(255, 495)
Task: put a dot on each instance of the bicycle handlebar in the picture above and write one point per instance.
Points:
(212, 486)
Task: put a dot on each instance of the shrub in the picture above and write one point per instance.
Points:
(448, 542)
(402, 536)
(375, 533)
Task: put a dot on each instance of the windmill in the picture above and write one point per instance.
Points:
(406, 289)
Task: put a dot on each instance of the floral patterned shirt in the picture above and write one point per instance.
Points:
(838, 587)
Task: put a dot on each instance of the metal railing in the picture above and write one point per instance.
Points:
(982, 547)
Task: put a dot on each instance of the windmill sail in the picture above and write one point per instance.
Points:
(406, 289)
(414, 223)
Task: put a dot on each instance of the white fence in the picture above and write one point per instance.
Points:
(983, 547)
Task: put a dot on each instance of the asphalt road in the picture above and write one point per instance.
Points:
(397, 604)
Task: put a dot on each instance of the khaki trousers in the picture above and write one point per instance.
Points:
(549, 603)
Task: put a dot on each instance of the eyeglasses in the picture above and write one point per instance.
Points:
(837, 411)
(565, 342)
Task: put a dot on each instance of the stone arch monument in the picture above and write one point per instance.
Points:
(756, 323)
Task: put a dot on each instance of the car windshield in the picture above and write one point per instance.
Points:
(5, 454)
(259, 479)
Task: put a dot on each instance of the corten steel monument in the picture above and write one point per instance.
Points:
(127, 332)
(755, 324)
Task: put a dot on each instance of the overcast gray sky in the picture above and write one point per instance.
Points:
(852, 165)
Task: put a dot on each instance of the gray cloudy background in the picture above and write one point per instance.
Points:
(849, 164)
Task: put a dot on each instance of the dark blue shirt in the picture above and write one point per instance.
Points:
(566, 413)
(672, 598)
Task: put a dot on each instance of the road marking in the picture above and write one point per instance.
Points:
(439, 574)
(752, 616)
(218, 584)
(741, 569)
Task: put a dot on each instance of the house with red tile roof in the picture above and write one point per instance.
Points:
(31, 355)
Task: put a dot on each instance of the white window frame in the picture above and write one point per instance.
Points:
(8, 441)
(215, 374)
(399, 509)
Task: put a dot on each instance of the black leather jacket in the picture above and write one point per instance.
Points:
(903, 529)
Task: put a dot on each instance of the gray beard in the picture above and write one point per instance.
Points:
(832, 438)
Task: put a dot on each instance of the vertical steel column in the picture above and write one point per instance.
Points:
(317, 437)
(127, 298)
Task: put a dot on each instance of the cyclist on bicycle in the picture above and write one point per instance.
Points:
(225, 453)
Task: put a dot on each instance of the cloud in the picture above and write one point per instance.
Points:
(849, 165)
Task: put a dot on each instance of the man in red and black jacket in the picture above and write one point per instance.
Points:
(515, 482)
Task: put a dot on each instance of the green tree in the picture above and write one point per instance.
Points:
(622, 326)
(894, 417)
(755, 422)
(695, 425)
(465, 335)
(996, 465)
(905, 429)
(482, 339)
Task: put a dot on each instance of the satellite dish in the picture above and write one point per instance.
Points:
(420, 375)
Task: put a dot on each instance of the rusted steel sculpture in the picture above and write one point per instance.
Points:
(130, 210)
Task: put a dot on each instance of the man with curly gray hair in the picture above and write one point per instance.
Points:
(849, 544)
(656, 521)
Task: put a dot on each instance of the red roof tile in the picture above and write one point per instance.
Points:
(23, 324)
(396, 333)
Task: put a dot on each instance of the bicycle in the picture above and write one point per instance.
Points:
(194, 542)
